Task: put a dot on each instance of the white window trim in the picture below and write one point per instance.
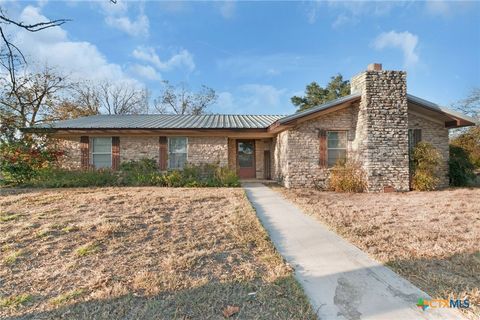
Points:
(346, 144)
(92, 153)
(168, 152)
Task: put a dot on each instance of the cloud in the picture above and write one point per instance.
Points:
(146, 72)
(227, 8)
(253, 98)
(116, 16)
(181, 59)
(270, 65)
(79, 59)
(448, 8)
(138, 27)
(405, 41)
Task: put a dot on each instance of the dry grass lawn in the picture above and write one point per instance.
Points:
(140, 253)
(430, 238)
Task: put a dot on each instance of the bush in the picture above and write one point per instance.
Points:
(460, 168)
(426, 160)
(347, 177)
(137, 173)
(143, 172)
(22, 161)
(60, 178)
(470, 142)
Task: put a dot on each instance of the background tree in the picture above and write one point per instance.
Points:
(470, 105)
(31, 98)
(180, 100)
(121, 98)
(316, 95)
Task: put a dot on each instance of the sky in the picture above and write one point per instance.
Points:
(256, 55)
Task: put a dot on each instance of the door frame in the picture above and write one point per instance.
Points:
(237, 141)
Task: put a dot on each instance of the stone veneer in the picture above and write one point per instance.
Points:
(71, 158)
(435, 133)
(208, 150)
(297, 151)
(382, 128)
(137, 147)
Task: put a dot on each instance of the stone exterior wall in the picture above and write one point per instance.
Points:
(71, 158)
(297, 151)
(208, 150)
(136, 148)
(382, 128)
(436, 134)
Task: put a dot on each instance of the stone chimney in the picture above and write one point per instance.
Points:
(382, 128)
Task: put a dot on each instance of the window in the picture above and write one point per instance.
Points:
(101, 152)
(336, 146)
(414, 137)
(177, 152)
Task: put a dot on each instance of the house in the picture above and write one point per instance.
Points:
(377, 124)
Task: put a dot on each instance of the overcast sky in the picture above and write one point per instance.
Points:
(256, 55)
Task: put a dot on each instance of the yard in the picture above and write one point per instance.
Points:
(133, 253)
(430, 238)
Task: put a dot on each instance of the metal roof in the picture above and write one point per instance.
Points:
(167, 121)
(321, 107)
(435, 107)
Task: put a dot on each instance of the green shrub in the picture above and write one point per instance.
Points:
(470, 142)
(460, 167)
(425, 162)
(142, 172)
(136, 173)
(347, 177)
(60, 178)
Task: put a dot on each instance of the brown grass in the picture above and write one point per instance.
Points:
(134, 253)
(431, 238)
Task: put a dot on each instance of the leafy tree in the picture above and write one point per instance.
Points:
(470, 142)
(316, 95)
(180, 100)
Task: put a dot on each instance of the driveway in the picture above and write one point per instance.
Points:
(341, 281)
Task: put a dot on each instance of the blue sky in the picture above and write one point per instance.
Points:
(256, 55)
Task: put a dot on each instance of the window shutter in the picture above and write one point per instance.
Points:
(417, 136)
(115, 153)
(84, 152)
(322, 134)
(162, 143)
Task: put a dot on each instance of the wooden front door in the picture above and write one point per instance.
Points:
(246, 159)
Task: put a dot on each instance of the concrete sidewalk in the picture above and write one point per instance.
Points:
(341, 281)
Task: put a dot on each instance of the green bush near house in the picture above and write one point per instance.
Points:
(460, 167)
(143, 172)
(426, 160)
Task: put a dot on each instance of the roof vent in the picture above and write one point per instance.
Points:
(374, 67)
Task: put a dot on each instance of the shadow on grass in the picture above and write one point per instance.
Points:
(282, 299)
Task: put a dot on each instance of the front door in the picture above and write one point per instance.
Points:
(246, 159)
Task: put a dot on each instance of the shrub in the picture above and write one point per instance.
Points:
(60, 178)
(425, 162)
(347, 177)
(22, 161)
(460, 168)
(136, 173)
(142, 172)
(470, 142)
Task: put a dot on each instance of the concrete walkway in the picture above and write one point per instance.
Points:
(341, 281)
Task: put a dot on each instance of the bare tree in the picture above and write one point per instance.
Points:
(31, 98)
(11, 58)
(471, 104)
(121, 98)
(180, 100)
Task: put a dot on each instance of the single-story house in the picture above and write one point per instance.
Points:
(377, 124)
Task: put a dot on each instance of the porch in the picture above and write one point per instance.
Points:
(252, 159)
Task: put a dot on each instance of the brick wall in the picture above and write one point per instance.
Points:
(208, 150)
(136, 148)
(436, 134)
(71, 158)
